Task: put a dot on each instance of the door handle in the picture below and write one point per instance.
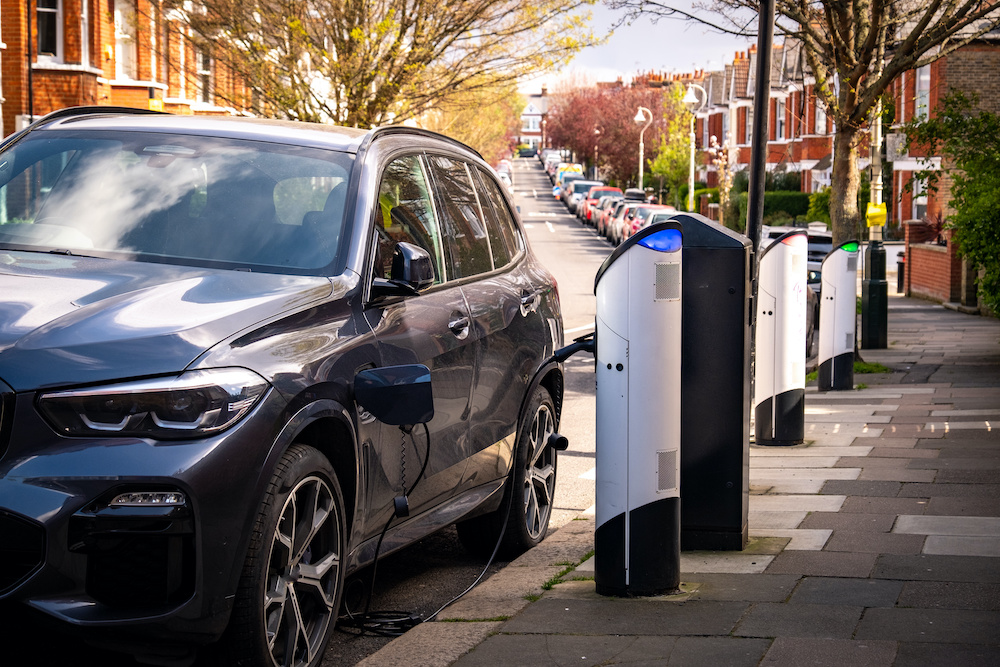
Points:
(459, 326)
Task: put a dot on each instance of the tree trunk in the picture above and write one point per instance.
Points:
(846, 181)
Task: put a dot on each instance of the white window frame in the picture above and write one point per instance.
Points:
(126, 49)
(205, 81)
(779, 119)
(58, 53)
(922, 93)
(819, 121)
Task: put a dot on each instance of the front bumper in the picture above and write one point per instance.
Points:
(151, 571)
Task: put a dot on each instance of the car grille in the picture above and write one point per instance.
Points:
(22, 550)
(137, 570)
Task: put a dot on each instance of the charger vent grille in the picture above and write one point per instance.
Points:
(666, 470)
(668, 282)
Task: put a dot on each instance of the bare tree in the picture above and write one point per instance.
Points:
(854, 50)
(368, 62)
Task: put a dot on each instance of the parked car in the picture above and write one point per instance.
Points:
(242, 359)
(586, 211)
(526, 152)
(577, 192)
(564, 168)
(616, 230)
(639, 217)
(634, 194)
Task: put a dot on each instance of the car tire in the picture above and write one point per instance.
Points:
(527, 501)
(289, 592)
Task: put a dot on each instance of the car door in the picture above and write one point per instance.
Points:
(494, 299)
(431, 328)
(506, 311)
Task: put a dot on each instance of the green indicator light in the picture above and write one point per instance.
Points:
(850, 247)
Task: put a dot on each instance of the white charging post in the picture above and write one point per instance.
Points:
(637, 541)
(838, 318)
(780, 345)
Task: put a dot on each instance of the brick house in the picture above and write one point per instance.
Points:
(131, 53)
(934, 270)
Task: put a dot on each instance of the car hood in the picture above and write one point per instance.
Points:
(76, 320)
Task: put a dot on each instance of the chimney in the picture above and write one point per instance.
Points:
(545, 91)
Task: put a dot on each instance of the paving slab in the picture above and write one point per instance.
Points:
(964, 506)
(769, 619)
(871, 488)
(764, 520)
(950, 595)
(845, 591)
(633, 616)
(923, 490)
(947, 525)
(910, 654)
(799, 539)
(693, 562)
(959, 626)
(877, 523)
(796, 503)
(898, 474)
(714, 651)
(823, 563)
(436, 644)
(538, 650)
(947, 545)
(784, 474)
(743, 587)
(870, 505)
(790, 462)
(759, 451)
(875, 543)
(789, 651)
(966, 476)
(926, 567)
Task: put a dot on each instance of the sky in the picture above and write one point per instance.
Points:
(666, 46)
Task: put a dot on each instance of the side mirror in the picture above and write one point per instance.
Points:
(396, 395)
(412, 265)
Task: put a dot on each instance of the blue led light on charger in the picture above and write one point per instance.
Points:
(667, 240)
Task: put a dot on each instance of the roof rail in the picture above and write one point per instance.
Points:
(402, 129)
(93, 111)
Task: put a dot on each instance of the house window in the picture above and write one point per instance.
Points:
(919, 198)
(779, 119)
(725, 128)
(204, 77)
(748, 134)
(125, 48)
(50, 29)
(820, 126)
(923, 92)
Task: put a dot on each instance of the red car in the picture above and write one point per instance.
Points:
(639, 217)
(586, 209)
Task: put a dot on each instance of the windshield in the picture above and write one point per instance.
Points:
(175, 198)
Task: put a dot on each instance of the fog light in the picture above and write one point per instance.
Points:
(149, 498)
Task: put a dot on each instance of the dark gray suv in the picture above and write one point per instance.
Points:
(239, 359)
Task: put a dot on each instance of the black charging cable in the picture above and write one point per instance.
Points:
(388, 623)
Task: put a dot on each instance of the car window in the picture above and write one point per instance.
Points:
(503, 233)
(405, 213)
(190, 199)
(467, 249)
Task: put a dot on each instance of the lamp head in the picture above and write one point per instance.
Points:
(640, 117)
(691, 100)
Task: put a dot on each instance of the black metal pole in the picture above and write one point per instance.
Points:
(31, 89)
(758, 158)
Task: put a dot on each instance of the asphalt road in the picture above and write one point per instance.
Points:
(422, 578)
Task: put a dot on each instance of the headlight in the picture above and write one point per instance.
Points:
(187, 406)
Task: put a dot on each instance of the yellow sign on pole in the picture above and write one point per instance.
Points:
(876, 214)
(155, 105)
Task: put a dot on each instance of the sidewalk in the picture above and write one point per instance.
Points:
(875, 543)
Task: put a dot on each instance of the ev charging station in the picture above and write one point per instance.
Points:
(780, 346)
(838, 318)
(638, 357)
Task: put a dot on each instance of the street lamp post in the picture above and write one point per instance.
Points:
(694, 105)
(640, 117)
(597, 136)
(543, 134)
